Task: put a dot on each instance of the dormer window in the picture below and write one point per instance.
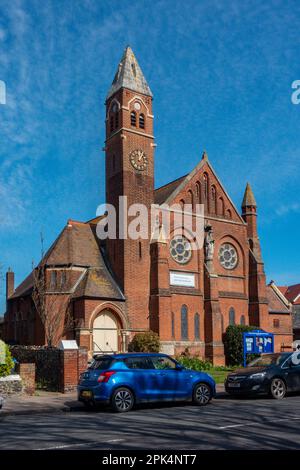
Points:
(133, 118)
(142, 121)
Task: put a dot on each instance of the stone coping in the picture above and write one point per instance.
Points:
(10, 378)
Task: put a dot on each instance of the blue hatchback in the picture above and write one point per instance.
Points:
(124, 380)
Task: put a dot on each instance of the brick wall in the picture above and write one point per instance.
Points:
(27, 374)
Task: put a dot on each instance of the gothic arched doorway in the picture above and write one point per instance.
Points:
(106, 333)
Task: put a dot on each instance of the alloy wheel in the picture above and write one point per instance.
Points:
(202, 394)
(278, 388)
(123, 400)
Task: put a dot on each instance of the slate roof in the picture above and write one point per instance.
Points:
(129, 75)
(99, 283)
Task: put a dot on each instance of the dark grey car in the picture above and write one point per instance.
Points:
(275, 374)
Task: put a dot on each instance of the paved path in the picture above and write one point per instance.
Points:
(258, 423)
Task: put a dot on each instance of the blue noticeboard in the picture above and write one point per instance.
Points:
(257, 342)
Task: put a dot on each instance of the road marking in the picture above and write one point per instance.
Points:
(65, 446)
(256, 423)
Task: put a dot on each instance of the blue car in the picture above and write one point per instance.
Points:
(123, 380)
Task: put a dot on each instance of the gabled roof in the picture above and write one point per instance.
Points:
(99, 283)
(129, 75)
(78, 246)
(166, 194)
(162, 193)
(277, 302)
(293, 294)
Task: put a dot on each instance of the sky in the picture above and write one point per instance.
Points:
(221, 73)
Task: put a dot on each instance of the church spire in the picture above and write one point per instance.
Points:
(249, 199)
(129, 75)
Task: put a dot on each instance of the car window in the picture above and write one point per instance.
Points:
(268, 360)
(101, 363)
(161, 362)
(138, 363)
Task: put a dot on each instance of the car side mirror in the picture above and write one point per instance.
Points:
(179, 367)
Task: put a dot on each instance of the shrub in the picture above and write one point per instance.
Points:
(5, 369)
(233, 343)
(196, 363)
(145, 342)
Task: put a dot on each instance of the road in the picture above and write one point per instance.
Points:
(257, 423)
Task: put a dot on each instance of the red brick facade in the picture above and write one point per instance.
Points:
(130, 279)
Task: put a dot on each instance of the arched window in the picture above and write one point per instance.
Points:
(243, 320)
(142, 121)
(133, 118)
(181, 202)
(140, 250)
(228, 214)
(172, 325)
(117, 119)
(197, 327)
(221, 206)
(184, 323)
(205, 186)
(231, 316)
(214, 199)
(111, 123)
(191, 198)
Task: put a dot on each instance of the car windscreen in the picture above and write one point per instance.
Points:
(268, 360)
(103, 363)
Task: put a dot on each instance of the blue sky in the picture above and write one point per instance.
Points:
(221, 75)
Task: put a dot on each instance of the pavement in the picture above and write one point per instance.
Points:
(227, 423)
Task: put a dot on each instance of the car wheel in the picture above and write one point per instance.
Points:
(278, 388)
(202, 394)
(122, 400)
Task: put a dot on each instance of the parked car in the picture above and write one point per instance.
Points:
(123, 380)
(274, 374)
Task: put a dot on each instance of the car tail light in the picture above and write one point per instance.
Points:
(105, 376)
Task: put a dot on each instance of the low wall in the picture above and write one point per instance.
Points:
(10, 385)
(55, 369)
(47, 364)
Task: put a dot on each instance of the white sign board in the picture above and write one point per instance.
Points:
(68, 344)
(182, 279)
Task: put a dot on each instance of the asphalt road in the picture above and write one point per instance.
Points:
(257, 423)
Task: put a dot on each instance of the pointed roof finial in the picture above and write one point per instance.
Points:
(204, 155)
(129, 75)
(249, 199)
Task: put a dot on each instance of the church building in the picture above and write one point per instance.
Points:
(119, 287)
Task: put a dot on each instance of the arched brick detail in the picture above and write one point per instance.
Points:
(113, 309)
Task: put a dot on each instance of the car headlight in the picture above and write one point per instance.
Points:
(259, 375)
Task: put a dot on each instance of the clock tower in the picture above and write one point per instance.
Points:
(129, 153)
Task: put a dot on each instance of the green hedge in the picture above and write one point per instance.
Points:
(6, 368)
(145, 342)
(233, 344)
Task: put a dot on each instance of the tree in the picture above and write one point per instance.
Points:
(233, 343)
(53, 303)
(145, 342)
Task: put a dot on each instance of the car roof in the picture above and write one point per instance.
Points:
(126, 355)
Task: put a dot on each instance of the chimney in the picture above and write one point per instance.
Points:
(10, 283)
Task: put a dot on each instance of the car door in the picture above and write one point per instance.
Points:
(141, 368)
(292, 372)
(171, 383)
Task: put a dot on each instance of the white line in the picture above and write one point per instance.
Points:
(81, 444)
(257, 423)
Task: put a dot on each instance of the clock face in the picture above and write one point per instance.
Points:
(138, 159)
